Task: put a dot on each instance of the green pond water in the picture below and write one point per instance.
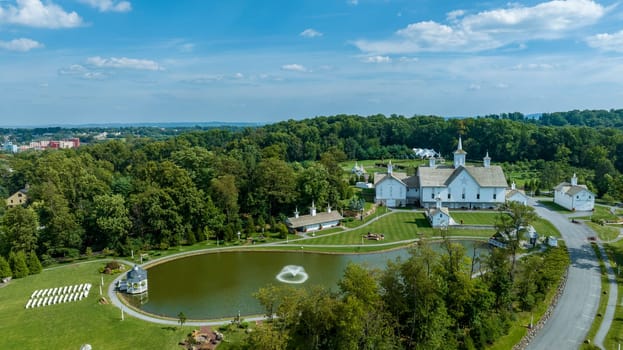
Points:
(217, 285)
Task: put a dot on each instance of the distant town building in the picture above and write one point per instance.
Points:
(46, 144)
(18, 198)
(10, 147)
(314, 221)
(572, 196)
(458, 186)
(358, 169)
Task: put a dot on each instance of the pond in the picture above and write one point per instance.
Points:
(219, 285)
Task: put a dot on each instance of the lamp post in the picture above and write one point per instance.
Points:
(238, 236)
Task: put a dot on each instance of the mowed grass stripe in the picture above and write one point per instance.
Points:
(396, 226)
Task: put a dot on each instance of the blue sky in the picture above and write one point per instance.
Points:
(98, 61)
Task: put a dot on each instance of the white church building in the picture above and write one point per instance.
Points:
(459, 186)
(573, 196)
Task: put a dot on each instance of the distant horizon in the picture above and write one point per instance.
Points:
(223, 123)
(75, 62)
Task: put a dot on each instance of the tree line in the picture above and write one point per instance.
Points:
(429, 301)
(141, 193)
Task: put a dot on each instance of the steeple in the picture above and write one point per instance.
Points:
(459, 155)
(574, 180)
(513, 186)
(438, 202)
(390, 168)
(313, 209)
(431, 162)
(486, 161)
(296, 213)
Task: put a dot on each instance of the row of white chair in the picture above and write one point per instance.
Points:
(49, 296)
(57, 299)
(60, 290)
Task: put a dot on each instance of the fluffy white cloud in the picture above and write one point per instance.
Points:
(490, 29)
(453, 15)
(34, 13)
(109, 5)
(310, 33)
(294, 67)
(22, 45)
(606, 41)
(77, 70)
(124, 63)
(377, 59)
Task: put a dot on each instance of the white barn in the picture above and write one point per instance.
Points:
(439, 216)
(314, 221)
(458, 186)
(515, 195)
(573, 196)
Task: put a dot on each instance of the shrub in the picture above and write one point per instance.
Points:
(5, 269)
(17, 261)
(47, 260)
(34, 265)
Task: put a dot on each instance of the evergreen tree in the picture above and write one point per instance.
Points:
(34, 265)
(191, 239)
(5, 269)
(17, 261)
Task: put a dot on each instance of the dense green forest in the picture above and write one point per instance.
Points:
(140, 192)
(428, 301)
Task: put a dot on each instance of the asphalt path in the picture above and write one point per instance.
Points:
(577, 306)
(612, 302)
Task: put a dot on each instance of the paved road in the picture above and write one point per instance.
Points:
(576, 308)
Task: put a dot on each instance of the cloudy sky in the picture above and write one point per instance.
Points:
(98, 61)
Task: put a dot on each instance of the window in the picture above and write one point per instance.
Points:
(495, 196)
(463, 196)
(577, 197)
(432, 195)
(478, 196)
(449, 196)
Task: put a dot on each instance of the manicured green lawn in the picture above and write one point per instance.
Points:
(69, 325)
(544, 228)
(549, 203)
(603, 213)
(474, 217)
(397, 226)
(605, 232)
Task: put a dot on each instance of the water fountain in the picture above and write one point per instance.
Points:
(292, 274)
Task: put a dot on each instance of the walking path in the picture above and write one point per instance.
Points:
(128, 311)
(612, 302)
(573, 315)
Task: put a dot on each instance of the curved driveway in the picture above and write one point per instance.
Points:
(576, 308)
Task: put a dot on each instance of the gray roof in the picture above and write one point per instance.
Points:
(136, 274)
(434, 177)
(511, 193)
(492, 176)
(319, 218)
(567, 188)
(435, 211)
(378, 177)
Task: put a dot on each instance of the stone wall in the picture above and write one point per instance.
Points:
(525, 341)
